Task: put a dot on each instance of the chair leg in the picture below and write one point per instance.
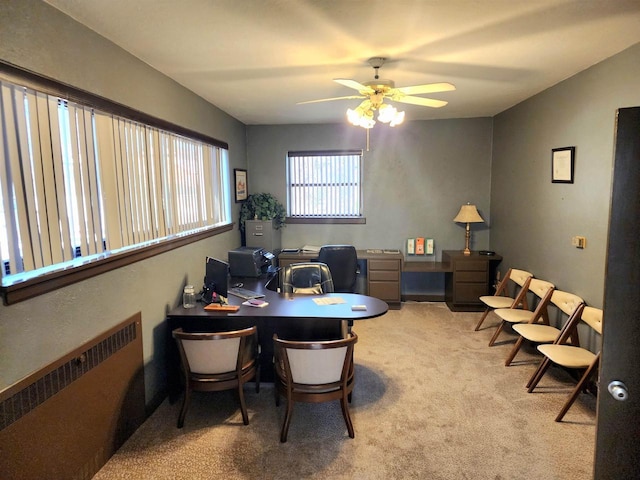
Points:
(287, 421)
(484, 315)
(514, 352)
(497, 332)
(185, 406)
(538, 374)
(347, 417)
(243, 405)
(577, 390)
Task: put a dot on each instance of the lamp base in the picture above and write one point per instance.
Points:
(467, 238)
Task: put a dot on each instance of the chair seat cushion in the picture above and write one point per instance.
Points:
(537, 333)
(568, 356)
(514, 315)
(493, 301)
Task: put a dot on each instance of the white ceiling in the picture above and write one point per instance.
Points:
(255, 59)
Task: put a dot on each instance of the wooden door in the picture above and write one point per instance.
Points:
(618, 422)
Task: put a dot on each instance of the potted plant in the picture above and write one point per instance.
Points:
(262, 206)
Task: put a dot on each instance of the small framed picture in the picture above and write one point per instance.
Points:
(562, 160)
(240, 182)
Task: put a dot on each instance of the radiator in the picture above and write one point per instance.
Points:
(67, 419)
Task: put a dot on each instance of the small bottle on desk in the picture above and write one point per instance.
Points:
(189, 297)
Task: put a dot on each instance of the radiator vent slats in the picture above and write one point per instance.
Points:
(53, 382)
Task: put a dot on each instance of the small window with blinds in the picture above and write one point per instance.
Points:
(324, 185)
(77, 184)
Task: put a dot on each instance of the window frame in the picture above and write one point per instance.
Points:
(329, 219)
(48, 282)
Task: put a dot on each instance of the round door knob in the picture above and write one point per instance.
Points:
(618, 390)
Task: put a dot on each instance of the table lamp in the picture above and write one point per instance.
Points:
(468, 214)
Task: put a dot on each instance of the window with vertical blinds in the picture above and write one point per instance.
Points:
(79, 182)
(324, 184)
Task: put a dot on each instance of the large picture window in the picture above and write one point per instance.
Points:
(324, 184)
(78, 184)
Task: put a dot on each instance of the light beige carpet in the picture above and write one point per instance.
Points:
(432, 401)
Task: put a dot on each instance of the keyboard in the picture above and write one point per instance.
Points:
(244, 293)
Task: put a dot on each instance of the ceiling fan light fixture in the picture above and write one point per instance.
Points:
(361, 117)
(398, 118)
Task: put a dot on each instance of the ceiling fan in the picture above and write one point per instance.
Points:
(376, 91)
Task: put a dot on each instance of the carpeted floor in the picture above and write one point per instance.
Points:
(432, 401)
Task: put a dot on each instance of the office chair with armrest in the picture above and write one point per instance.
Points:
(570, 356)
(311, 278)
(314, 372)
(505, 299)
(343, 264)
(306, 277)
(218, 361)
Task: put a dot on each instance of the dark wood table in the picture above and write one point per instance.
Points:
(295, 317)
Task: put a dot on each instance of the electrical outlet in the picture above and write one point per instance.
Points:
(579, 242)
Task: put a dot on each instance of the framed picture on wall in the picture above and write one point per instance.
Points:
(240, 182)
(562, 164)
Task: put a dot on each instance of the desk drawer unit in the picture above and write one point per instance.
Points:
(383, 280)
(469, 279)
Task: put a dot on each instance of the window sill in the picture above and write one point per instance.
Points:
(326, 220)
(52, 281)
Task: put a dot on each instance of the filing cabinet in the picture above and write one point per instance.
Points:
(261, 233)
(470, 277)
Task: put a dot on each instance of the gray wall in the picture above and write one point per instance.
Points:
(416, 177)
(35, 332)
(533, 219)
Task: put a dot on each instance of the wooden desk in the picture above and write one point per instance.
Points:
(382, 272)
(290, 316)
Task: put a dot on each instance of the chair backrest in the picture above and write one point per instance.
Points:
(214, 353)
(565, 301)
(543, 290)
(590, 315)
(593, 317)
(306, 277)
(342, 261)
(316, 363)
(520, 276)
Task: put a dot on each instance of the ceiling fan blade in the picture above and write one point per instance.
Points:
(331, 99)
(427, 88)
(424, 102)
(353, 84)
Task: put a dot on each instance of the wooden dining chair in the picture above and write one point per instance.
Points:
(314, 372)
(510, 293)
(218, 361)
(571, 356)
(568, 303)
(542, 291)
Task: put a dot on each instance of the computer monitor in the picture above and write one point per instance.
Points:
(217, 274)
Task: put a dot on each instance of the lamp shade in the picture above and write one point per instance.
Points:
(468, 214)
